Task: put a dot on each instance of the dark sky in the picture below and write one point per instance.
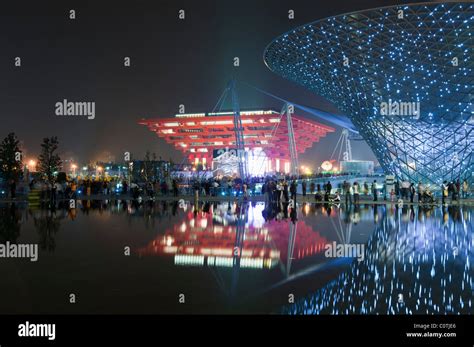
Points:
(173, 62)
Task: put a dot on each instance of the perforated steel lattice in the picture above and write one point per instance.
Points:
(409, 53)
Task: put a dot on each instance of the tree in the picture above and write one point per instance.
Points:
(49, 161)
(148, 168)
(10, 158)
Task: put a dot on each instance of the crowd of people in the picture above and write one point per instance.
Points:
(454, 189)
(104, 187)
(274, 189)
(405, 191)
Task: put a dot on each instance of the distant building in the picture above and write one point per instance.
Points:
(361, 167)
(103, 169)
(209, 138)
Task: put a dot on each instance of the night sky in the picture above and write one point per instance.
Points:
(172, 62)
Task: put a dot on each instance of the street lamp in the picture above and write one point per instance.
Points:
(99, 170)
(31, 165)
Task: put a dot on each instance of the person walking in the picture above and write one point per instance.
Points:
(444, 192)
(286, 191)
(74, 188)
(465, 189)
(452, 191)
(293, 191)
(412, 192)
(374, 190)
(457, 189)
(328, 188)
(245, 190)
(303, 187)
(355, 189)
(53, 193)
(312, 188)
(279, 192)
(420, 189)
(397, 189)
(405, 189)
(347, 193)
(175, 187)
(366, 189)
(327, 191)
(265, 188)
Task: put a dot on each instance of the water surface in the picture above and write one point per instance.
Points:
(238, 258)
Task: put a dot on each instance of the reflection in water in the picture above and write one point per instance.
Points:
(417, 262)
(47, 223)
(229, 235)
(9, 224)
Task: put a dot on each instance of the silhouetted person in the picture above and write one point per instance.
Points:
(346, 188)
(328, 188)
(397, 189)
(124, 187)
(12, 189)
(444, 192)
(374, 190)
(412, 192)
(293, 190)
(465, 189)
(312, 187)
(355, 189)
(457, 189)
(53, 193)
(175, 187)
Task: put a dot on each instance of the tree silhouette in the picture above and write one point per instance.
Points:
(10, 158)
(49, 161)
(148, 167)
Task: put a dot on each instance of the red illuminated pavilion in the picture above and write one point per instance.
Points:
(200, 135)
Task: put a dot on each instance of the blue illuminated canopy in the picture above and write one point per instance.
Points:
(402, 74)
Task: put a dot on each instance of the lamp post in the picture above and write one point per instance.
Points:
(99, 170)
(29, 167)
